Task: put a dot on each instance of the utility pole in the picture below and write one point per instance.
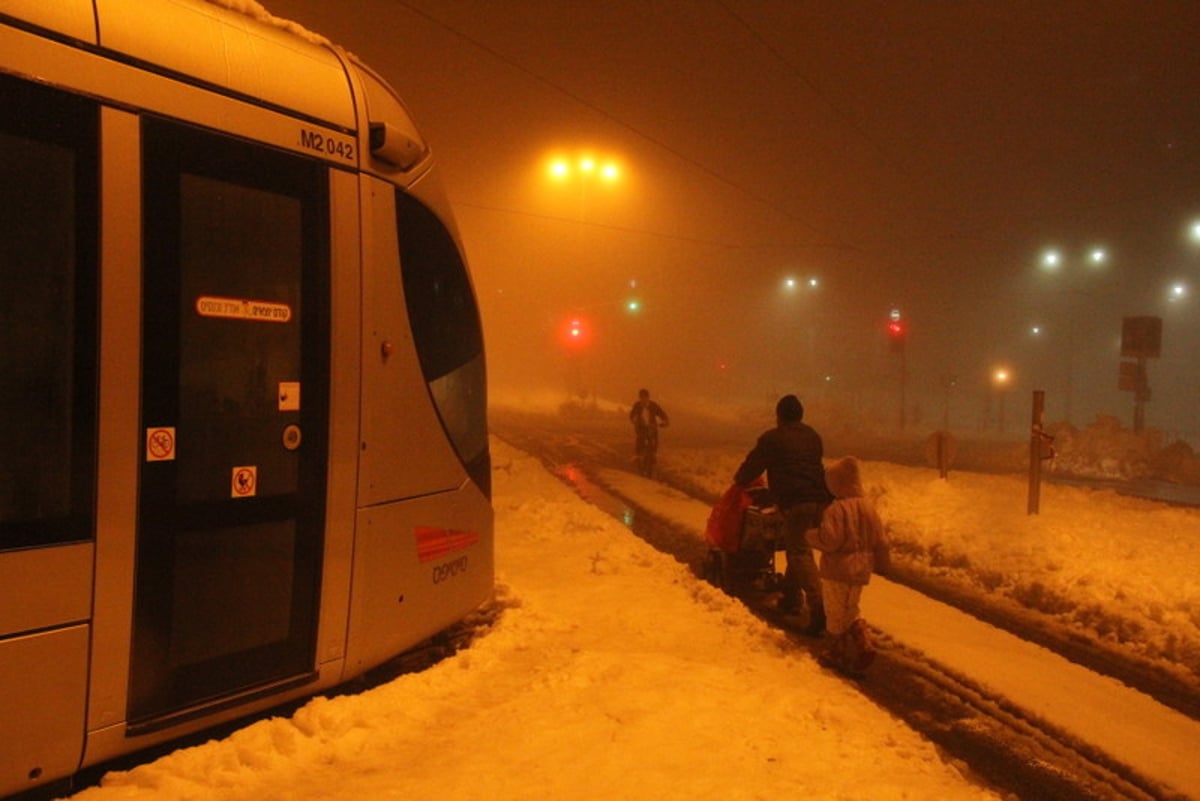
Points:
(1039, 449)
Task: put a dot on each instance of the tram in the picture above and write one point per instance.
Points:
(243, 436)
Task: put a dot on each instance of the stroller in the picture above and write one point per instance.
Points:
(744, 532)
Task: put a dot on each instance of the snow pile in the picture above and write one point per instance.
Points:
(611, 673)
(1118, 569)
(1105, 449)
(256, 11)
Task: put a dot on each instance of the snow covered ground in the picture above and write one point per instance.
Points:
(612, 673)
(1156, 741)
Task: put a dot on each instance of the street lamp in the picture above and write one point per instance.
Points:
(1054, 262)
(563, 167)
(1001, 376)
(1051, 260)
(583, 168)
(573, 172)
(797, 323)
(791, 283)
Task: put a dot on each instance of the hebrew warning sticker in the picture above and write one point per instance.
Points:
(241, 309)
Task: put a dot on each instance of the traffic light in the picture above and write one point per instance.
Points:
(575, 332)
(633, 300)
(897, 332)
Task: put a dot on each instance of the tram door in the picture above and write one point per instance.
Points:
(234, 416)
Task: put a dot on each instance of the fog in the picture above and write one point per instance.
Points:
(919, 156)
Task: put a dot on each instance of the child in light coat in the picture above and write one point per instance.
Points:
(853, 545)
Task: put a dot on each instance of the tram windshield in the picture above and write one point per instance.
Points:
(446, 330)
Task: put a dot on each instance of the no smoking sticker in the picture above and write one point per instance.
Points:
(244, 483)
(160, 444)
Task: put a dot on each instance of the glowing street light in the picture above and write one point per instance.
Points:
(562, 168)
(791, 283)
(793, 345)
(582, 171)
(1001, 377)
(1054, 262)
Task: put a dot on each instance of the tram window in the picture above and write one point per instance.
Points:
(235, 236)
(446, 331)
(47, 302)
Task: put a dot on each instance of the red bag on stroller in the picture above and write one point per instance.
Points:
(724, 529)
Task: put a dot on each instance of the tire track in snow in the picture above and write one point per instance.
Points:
(1007, 747)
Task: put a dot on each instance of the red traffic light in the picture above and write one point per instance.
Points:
(575, 332)
(897, 332)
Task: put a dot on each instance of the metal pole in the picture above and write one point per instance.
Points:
(1141, 393)
(1035, 451)
(941, 453)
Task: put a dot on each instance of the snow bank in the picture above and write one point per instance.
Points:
(611, 673)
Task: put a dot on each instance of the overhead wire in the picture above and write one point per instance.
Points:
(616, 120)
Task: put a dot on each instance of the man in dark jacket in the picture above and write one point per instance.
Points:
(790, 454)
(646, 416)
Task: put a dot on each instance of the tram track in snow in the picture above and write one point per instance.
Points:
(997, 741)
(1000, 742)
(1006, 747)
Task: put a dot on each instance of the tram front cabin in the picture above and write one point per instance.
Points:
(243, 440)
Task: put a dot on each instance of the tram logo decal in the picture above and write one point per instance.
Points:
(437, 543)
(241, 309)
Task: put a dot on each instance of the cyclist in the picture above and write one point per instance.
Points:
(645, 416)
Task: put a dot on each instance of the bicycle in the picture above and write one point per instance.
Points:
(646, 450)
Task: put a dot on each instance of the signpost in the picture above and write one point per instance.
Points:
(1141, 339)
